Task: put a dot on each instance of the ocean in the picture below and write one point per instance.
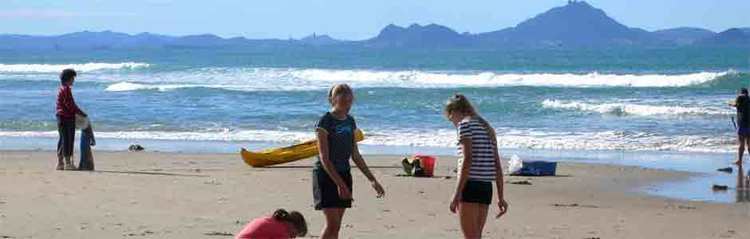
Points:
(655, 108)
(631, 100)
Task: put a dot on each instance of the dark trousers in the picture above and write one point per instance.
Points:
(66, 128)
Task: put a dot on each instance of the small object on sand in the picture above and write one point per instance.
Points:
(523, 182)
(225, 234)
(408, 166)
(536, 168)
(574, 205)
(135, 148)
(726, 170)
(686, 207)
(419, 166)
(717, 187)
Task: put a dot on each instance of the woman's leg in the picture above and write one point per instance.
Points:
(69, 128)
(333, 222)
(740, 148)
(481, 217)
(468, 212)
(60, 145)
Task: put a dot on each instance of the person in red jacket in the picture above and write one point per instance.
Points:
(66, 112)
(282, 224)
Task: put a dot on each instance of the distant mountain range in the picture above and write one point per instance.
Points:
(574, 25)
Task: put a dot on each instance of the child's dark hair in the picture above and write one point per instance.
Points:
(459, 103)
(339, 90)
(743, 91)
(67, 75)
(295, 218)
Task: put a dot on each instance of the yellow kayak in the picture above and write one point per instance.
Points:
(292, 153)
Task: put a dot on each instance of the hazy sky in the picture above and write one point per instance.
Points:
(345, 19)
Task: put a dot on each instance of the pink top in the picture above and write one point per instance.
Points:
(264, 228)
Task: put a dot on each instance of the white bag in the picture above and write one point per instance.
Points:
(82, 122)
(515, 164)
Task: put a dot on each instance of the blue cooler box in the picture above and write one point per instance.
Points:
(537, 168)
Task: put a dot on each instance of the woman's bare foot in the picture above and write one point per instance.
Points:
(60, 166)
(738, 162)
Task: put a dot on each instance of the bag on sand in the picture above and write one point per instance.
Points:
(87, 157)
(514, 165)
(413, 168)
(418, 171)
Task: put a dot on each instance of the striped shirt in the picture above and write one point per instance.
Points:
(482, 150)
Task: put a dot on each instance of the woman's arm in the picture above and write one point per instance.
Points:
(499, 183)
(463, 177)
(360, 162)
(322, 135)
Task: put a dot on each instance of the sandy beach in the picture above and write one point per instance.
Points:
(171, 195)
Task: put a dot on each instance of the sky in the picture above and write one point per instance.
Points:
(342, 19)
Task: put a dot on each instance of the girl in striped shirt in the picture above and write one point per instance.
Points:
(478, 166)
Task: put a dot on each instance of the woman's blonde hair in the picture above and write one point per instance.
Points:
(339, 90)
(459, 103)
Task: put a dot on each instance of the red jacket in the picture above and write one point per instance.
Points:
(66, 106)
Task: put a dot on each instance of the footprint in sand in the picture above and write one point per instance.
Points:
(574, 205)
(215, 233)
(524, 182)
(728, 234)
(143, 234)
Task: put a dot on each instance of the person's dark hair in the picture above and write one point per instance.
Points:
(743, 91)
(67, 75)
(295, 218)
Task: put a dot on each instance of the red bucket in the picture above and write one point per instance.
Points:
(428, 164)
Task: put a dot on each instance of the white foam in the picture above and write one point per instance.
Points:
(127, 86)
(281, 79)
(421, 79)
(208, 135)
(446, 138)
(633, 109)
(57, 68)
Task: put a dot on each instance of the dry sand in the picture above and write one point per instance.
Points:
(169, 195)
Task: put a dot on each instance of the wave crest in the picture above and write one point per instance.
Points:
(624, 109)
(56, 68)
(277, 79)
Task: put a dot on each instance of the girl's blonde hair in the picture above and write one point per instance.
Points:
(339, 90)
(459, 103)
